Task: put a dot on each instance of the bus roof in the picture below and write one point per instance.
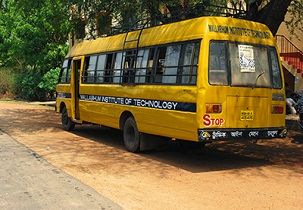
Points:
(191, 29)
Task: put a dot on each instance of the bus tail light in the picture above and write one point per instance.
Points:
(213, 108)
(277, 109)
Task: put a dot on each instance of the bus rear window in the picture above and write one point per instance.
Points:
(242, 64)
(218, 64)
(249, 65)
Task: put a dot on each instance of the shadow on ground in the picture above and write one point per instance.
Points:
(215, 157)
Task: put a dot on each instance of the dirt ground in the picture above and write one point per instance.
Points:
(265, 175)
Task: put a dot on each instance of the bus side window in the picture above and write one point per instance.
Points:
(69, 70)
(141, 65)
(108, 77)
(100, 68)
(189, 62)
(150, 66)
(90, 67)
(63, 72)
(161, 52)
(129, 65)
(217, 64)
(171, 64)
(275, 68)
(118, 68)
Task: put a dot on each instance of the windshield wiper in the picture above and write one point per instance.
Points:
(263, 72)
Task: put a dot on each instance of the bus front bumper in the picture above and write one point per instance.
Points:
(234, 134)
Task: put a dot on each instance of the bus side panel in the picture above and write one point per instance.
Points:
(96, 112)
(100, 113)
(63, 96)
(166, 122)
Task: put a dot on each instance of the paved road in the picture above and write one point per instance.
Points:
(27, 181)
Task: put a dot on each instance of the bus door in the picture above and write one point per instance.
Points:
(75, 83)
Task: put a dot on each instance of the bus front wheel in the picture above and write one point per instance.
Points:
(131, 135)
(67, 123)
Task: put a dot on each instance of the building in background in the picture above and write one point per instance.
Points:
(291, 47)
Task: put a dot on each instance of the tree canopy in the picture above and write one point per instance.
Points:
(34, 34)
(125, 13)
(33, 40)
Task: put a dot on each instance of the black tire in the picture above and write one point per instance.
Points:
(131, 135)
(66, 121)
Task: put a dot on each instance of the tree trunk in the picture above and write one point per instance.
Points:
(272, 14)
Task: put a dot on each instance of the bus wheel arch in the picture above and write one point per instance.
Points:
(124, 116)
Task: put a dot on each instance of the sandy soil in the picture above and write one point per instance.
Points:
(265, 175)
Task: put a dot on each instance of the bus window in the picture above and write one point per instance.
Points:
(90, 67)
(150, 66)
(141, 65)
(161, 52)
(69, 72)
(65, 72)
(249, 65)
(218, 64)
(190, 62)
(275, 68)
(108, 78)
(100, 68)
(117, 68)
(129, 65)
(171, 64)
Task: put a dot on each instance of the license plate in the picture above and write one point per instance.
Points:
(247, 115)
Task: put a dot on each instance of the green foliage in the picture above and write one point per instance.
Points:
(34, 34)
(49, 81)
(295, 21)
(33, 40)
(32, 85)
(6, 81)
(32, 30)
(26, 86)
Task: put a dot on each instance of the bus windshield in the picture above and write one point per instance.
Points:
(242, 64)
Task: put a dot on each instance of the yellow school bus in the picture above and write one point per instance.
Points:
(200, 80)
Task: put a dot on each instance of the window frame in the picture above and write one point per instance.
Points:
(179, 66)
(68, 69)
(149, 78)
(274, 50)
(268, 47)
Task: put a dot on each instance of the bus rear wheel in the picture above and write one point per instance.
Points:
(67, 123)
(131, 135)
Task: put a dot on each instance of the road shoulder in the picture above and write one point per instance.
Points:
(29, 182)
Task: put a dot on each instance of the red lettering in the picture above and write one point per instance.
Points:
(212, 121)
(221, 122)
(217, 122)
(206, 120)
